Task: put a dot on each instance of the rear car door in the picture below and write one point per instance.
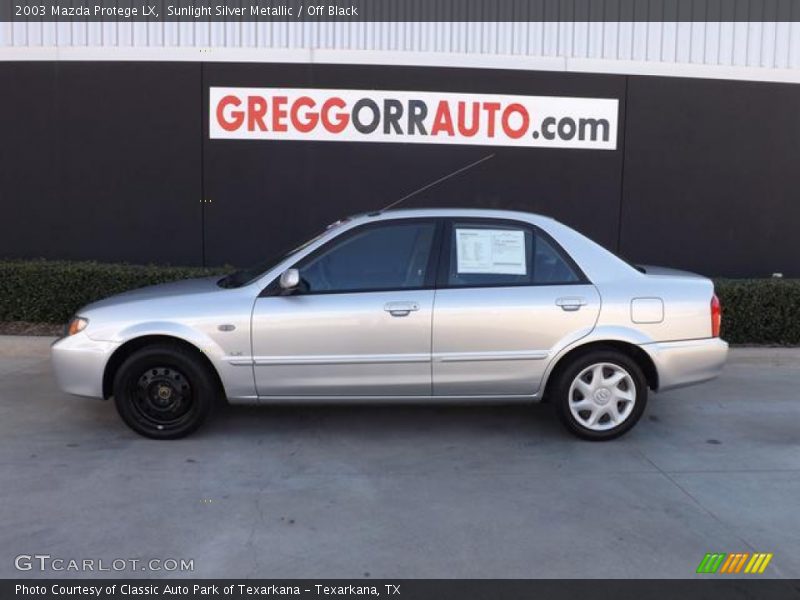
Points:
(360, 323)
(507, 296)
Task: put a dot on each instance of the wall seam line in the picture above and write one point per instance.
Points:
(622, 168)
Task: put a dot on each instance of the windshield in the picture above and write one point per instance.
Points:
(244, 276)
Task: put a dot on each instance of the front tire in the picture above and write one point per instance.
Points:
(600, 395)
(163, 392)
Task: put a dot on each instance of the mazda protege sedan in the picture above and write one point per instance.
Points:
(406, 305)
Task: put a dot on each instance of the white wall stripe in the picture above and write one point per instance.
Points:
(755, 44)
(372, 57)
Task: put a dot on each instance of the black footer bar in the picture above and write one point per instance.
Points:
(397, 589)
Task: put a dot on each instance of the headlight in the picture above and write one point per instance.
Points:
(76, 325)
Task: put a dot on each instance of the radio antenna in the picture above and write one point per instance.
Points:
(438, 181)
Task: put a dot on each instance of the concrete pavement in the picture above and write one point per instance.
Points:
(387, 491)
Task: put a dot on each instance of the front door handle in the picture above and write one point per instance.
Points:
(571, 304)
(400, 309)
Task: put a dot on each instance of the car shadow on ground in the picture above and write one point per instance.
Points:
(386, 420)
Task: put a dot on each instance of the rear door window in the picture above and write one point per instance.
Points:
(491, 254)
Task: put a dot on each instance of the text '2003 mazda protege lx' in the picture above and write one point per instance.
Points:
(405, 305)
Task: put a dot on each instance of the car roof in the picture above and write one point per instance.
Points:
(516, 215)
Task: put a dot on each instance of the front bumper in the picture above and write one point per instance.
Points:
(687, 362)
(79, 363)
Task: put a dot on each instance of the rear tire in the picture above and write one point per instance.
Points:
(164, 392)
(600, 395)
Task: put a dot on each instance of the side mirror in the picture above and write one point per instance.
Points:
(290, 279)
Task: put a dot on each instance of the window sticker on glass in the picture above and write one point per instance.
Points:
(498, 251)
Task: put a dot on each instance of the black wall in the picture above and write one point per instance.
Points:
(712, 176)
(111, 162)
(101, 161)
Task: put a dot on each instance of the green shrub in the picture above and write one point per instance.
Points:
(760, 311)
(755, 311)
(45, 291)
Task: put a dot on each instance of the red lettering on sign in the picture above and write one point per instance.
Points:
(256, 109)
(462, 120)
(523, 112)
(341, 118)
(279, 113)
(491, 108)
(443, 121)
(311, 118)
(237, 116)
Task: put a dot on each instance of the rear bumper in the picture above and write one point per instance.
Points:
(687, 362)
(79, 364)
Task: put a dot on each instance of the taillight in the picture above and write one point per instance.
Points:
(716, 316)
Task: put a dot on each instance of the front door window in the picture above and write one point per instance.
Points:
(387, 257)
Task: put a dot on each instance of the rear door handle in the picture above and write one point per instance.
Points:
(400, 309)
(571, 304)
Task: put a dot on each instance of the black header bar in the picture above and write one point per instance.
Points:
(400, 10)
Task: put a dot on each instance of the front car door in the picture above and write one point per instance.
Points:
(360, 322)
(507, 297)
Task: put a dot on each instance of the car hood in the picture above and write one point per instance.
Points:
(186, 287)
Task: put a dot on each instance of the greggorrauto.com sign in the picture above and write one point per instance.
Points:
(412, 117)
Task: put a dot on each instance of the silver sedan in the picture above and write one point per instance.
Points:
(406, 305)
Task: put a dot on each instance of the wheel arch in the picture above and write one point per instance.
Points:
(633, 351)
(132, 345)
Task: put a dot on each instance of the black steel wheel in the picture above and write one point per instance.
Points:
(164, 391)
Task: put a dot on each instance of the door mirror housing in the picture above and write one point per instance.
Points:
(289, 280)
